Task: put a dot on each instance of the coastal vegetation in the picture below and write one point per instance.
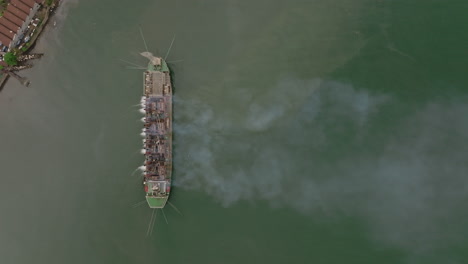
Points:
(26, 46)
(15, 59)
(3, 5)
(10, 58)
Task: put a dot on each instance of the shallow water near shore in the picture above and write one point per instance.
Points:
(305, 132)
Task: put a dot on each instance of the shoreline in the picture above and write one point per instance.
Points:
(50, 10)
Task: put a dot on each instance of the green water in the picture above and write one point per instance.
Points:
(305, 132)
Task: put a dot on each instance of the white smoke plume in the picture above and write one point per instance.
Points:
(322, 147)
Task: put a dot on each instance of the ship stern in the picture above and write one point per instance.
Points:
(156, 202)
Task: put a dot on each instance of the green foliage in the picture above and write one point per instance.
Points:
(26, 46)
(10, 58)
(3, 5)
(1, 67)
(49, 2)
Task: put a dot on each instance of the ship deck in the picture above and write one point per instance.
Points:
(158, 134)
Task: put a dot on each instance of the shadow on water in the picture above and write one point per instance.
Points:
(3, 82)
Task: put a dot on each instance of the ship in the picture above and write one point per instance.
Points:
(156, 105)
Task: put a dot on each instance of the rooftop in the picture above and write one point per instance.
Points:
(4, 40)
(21, 6)
(17, 12)
(7, 32)
(14, 19)
(8, 24)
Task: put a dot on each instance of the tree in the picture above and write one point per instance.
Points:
(10, 59)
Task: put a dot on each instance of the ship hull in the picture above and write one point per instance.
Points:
(157, 131)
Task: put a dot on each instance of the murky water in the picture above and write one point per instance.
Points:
(305, 132)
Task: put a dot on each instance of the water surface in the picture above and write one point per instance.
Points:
(305, 132)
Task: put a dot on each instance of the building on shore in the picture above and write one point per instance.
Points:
(15, 21)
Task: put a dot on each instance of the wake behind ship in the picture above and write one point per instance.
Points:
(157, 132)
